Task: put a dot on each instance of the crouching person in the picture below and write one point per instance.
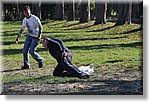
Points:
(63, 56)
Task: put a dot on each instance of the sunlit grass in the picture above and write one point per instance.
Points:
(102, 45)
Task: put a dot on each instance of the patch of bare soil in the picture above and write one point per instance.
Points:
(126, 83)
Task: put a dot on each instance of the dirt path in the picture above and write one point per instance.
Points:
(127, 83)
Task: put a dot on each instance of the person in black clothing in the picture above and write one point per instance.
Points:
(63, 56)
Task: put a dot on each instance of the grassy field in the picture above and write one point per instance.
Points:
(114, 50)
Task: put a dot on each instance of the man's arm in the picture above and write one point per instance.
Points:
(20, 33)
(40, 31)
(61, 47)
(40, 28)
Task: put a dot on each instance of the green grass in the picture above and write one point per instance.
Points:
(107, 47)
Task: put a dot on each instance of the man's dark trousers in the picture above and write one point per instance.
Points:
(66, 65)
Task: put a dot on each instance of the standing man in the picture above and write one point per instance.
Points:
(33, 24)
(64, 58)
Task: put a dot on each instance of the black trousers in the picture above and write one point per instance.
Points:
(66, 69)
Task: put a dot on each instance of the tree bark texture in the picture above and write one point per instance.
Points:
(71, 11)
(60, 10)
(101, 8)
(124, 14)
(85, 11)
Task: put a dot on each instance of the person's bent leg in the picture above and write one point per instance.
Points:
(72, 70)
(33, 52)
(58, 71)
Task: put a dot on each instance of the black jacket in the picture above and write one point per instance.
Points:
(56, 48)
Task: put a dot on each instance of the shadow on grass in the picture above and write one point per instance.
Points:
(114, 61)
(132, 31)
(9, 33)
(82, 39)
(92, 47)
(55, 25)
(60, 32)
(101, 29)
(128, 32)
(10, 43)
(18, 51)
(80, 26)
(69, 25)
(11, 51)
(106, 46)
(11, 70)
(112, 87)
(92, 87)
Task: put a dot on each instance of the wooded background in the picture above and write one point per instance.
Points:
(84, 11)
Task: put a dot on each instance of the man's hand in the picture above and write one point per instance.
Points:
(65, 54)
(17, 40)
(39, 38)
(40, 33)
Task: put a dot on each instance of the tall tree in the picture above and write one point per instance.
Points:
(85, 11)
(60, 10)
(9, 11)
(18, 15)
(135, 9)
(124, 13)
(44, 11)
(141, 13)
(129, 13)
(71, 10)
(109, 9)
(101, 8)
(36, 9)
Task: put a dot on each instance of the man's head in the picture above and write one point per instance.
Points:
(45, 42)
(27, 11)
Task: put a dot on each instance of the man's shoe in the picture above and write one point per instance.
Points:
(23, 68)
(40, 64)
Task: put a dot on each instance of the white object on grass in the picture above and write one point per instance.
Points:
(87, 69)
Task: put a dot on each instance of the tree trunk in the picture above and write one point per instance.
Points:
(101, 8)
(124, 14)
(85, 11)
(18, 14)
(109, 10)
(60, 10)
(141, 13)
(36, 9)
(71, 10)
(135, 8)
(44, 12)
(8, 12)
(129, 13)
(4, 10)
(52, 8)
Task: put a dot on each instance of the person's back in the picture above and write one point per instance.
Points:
(62, 45)
(55, 49)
